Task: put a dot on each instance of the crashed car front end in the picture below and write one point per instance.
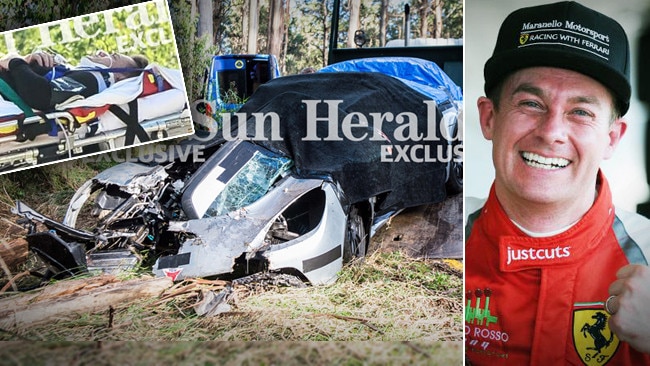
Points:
(259, 232)
(241, 210)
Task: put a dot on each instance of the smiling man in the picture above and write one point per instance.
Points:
(554, 273)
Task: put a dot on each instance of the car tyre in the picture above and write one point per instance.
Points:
(356, 238)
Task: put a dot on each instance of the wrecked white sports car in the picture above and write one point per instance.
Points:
(303, 203)
(241, 211)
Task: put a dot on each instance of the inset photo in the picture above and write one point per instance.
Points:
(90, 84)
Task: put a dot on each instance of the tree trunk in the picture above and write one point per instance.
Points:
(326, 32)
(285, 36)
(383, 23)
(205, 21)
(355, 10)
(253, 26)
(437, 30)
(245, 9)
(193, 10)
(276, 17)
(424, 14)
(190, 81)
(71, 297)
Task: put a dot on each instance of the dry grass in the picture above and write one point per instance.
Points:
(233, 353)
(388, 298)
(405, 311)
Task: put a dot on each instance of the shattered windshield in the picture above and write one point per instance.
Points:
(250, 183)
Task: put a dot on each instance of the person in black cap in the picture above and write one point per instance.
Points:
(556, 275)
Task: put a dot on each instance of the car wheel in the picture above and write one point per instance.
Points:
(356, 239)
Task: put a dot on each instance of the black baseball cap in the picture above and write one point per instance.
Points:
(566, 35)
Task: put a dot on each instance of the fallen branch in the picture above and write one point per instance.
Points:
(28, 309)
(12, 282)
(417, 349)
(5, 268)
(202, 281)
(111, 313)
(179, 291)
(189, 286)
(13, 253)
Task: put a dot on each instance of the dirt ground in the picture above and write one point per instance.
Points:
(425, 232)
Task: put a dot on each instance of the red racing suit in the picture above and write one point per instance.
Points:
(540, 301)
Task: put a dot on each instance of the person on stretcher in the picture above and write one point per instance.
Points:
(42, 84)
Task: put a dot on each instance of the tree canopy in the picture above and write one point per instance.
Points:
(143, 29)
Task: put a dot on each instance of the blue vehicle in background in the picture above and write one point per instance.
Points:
(229, 81)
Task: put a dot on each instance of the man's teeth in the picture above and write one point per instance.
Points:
(538, 161)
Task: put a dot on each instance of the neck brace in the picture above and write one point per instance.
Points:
(85, 62)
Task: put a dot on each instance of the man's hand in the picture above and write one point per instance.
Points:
(4, 61)
(631, 314)
(40, 58)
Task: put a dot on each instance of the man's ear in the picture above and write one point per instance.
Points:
(486, 116)
(616, 132)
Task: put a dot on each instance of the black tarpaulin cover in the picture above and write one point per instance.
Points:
(411, 178)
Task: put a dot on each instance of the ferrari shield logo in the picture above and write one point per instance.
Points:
(592, 338)
(523, 38)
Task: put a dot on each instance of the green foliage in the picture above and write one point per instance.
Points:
(231, 96)
(16, 14)
(193, 52)
(128, 30)
(452, 13)
(309, 28)
(230, 36)
(52, 184)
(308, 35)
